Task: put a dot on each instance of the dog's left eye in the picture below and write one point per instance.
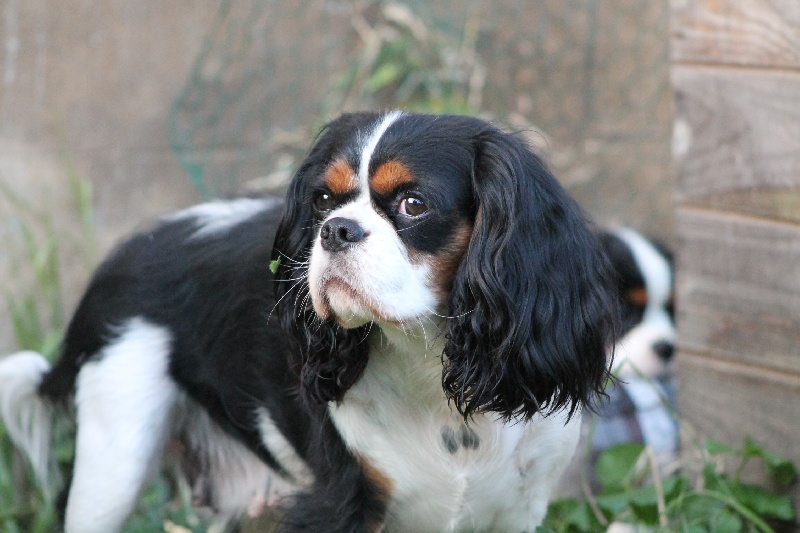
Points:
(412, 206)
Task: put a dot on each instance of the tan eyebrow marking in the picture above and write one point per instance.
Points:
(340, 178)
(390, 176)
(637, 296)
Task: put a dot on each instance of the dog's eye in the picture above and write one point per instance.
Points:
(323, 202)
(412, 206)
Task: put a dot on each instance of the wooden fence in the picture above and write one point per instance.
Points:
(736, 142)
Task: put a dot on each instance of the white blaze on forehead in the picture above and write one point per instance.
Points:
(369, 143)
(654, 267)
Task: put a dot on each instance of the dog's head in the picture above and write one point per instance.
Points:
(398, 218)
(644, 276)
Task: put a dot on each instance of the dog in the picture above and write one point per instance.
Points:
(405, 344)
(641, 402)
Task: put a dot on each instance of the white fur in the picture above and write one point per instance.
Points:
(282, 450)
(369, 143)
(394, 417)
(241, 482)
(635, 349)
(656, 421)
(127, 409)
(27, 417)
(124, 400)
(221, 216)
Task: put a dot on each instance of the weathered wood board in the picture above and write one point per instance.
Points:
(736, 32)
(736, 140)
(739, 289)
(761, 403)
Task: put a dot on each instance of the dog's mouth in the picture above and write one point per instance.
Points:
(348, 305)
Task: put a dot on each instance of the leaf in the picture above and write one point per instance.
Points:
(613, 504)
(782, 470)
(616, 465)
(643, 502)
(715, 481)
(570, 515)
(725, 522)
(274, 264)
(763, 502)
(717, 448)
(383, 76)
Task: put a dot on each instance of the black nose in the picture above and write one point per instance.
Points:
(340, 233)
(664, 349)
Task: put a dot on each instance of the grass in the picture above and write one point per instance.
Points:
(37, 313)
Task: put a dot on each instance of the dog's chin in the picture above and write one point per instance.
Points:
(350, 307)
(339, 301)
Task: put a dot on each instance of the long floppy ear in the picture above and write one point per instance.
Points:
(330, 359)
(531, 308)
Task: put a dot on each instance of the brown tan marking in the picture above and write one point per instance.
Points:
(637, 296)
(380, 480)
(445, 264)
(390, 176)
(340, 178)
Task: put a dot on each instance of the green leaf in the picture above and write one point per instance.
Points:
(613, 504)
(763, 502)
(715, 481)
(717, 448)
(572, 515)
(644, 504)
(616, 465)
(383, 76)
(782, 470)
(725, 522)
(274, 264)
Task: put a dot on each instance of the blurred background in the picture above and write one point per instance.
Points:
(131, 109)
(679, 118)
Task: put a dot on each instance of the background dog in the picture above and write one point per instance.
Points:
(641, 403)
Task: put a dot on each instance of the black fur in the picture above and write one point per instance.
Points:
(532, 296)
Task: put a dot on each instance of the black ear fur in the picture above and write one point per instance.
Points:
(330, 358)
(531, 303)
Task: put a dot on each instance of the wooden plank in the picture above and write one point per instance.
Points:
(728, 402)
(736, 140)
(738, 292)
(736, 32)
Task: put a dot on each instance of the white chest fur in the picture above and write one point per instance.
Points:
(446, 475)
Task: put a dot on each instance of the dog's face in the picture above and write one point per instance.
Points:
(394, 224)
(399, 218)
(645, 281)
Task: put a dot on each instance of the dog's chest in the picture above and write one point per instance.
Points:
(444, 475)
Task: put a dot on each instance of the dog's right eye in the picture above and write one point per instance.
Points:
(323, 202)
